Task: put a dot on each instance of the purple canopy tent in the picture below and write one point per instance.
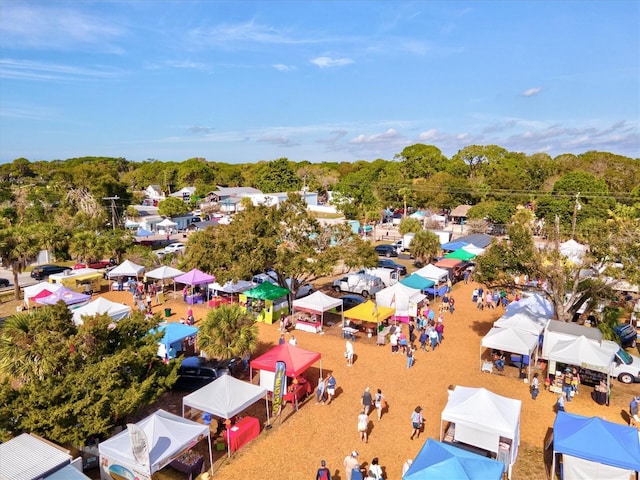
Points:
(67, 295)
(195, 277)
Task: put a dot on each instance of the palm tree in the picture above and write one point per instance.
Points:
(228, 331)
(424, 246)
(17, 250)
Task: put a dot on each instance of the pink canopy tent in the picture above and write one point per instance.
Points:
(43, 294)
(195, 277)
(66, 295)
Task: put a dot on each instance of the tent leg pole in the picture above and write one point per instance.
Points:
(210, 454)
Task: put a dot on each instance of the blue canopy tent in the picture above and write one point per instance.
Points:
(174, 334)
(595, 448)
(443, 460)
(434, 291)
(416, 281)
(453, 246)
(141, 232)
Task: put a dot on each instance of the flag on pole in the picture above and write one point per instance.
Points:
(393, 300)
(279, 386)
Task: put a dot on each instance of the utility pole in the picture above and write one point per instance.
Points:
(114, 213)
(576, 207)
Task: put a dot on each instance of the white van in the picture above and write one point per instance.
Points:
(389, 276)
(360, 283)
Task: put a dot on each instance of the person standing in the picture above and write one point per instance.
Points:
(281, 340)
(417, 421)
(320, 391)
(633, 411)
(350, 464)
(323, 472)
(366, 401)
(566, 383)
(292, 341)
(560, 402)
(375, 471)
(393, 341)
(535, 386)
(451, 305)
(349, 353)
(378, 402)
(433, 336)
(423, 339)
(331, 387)
(363, 426)
(440, 331)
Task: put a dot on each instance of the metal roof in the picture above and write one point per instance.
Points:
(27, 457)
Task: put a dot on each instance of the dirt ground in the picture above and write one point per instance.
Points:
(293, 447)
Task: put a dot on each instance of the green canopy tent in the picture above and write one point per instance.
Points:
(461, 254)
(261, 301)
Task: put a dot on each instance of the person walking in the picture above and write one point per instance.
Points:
(417, 422)
(535, 386)
(349, 353)
(366, 400)
(423, 340)
(410, 352)
(379, 402)
(560, 402)
(633, 411)
(350, 464)
(433, 336)
(363, 426)
(320, 391)
(323, 472)
(566, 383)
(440, 331)
(451, 305)
(331, 387)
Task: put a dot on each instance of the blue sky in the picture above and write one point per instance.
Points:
(243, 81)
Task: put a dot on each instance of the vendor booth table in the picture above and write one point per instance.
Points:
(192, 465)
(309, 326)
(297, 391)
(242, 433)
(194, 299)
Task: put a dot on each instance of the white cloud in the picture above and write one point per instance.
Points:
(431, 134)
(47, 27)
(531, 92)
(28, 70)
(277, 140)
(390, 134)
(326, 62)
(283, 68)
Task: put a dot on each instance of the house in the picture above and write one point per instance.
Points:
(147, 217)
(184, 193)
(225, 193)
(459, 214)
(155, 194)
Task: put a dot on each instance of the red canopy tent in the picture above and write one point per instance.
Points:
(297, 359)
(43, 293)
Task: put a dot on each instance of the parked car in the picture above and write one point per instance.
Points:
(196, 372)
(386, 250)
(97, 265)
(350, 301)
(4, 283)
(175, 248)
(43, 271)
(270, 276)
(388, 263)
(627, 334)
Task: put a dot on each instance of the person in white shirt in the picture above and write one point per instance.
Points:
(292, 341)
(375, 471)
(349, 353)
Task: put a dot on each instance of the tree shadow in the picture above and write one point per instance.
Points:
(481, 328)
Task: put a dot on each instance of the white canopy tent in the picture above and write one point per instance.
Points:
(535, 304)
(523, 320)
(434, 273)
(573, 250)
(165, 273)
(33, 290)
(166, 223)
(404, 299)
(485, 420)
(318, 302)
(232, 287)
(117, 311)
(511, 340)
(126, 269)
(225, 397)
(167, 435)
(584, 353)
(471, 248)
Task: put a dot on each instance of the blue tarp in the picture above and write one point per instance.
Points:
(453, 246)
(174, 333)
(141, 232)
(597, 440)
(416, 281)
(436, 292)
(442, 460)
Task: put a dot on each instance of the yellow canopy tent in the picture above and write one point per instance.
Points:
(369, 312)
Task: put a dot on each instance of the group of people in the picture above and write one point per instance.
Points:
(353, 469)
(490, 299)
(326, 389)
